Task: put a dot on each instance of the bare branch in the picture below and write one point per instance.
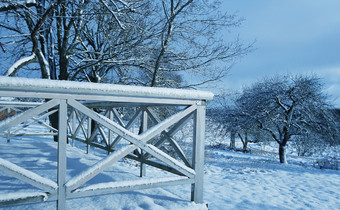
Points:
(113, 14)
(19, 64)
(14, 5)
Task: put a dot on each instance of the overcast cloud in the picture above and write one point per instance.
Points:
(292, 36)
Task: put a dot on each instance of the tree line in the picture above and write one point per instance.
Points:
(287, 109)
(133, 42)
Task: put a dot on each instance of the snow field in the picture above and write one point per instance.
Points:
(246, 181)
(233, 180)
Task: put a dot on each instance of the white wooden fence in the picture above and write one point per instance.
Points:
(80, 105)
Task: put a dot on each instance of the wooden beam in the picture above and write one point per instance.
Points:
(172, 142)
(34, 120)
(129, 100)
(140, 141)
(198, 153)
(80, 125)
(17, 119)
(62, 139)
(94, 170)
(114, 187)
(26, 198)
(165, 124)
(128, 126)
(115, 127)
(27, 176)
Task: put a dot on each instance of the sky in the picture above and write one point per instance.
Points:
(291, 36)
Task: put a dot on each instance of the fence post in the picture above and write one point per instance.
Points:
(144, 128)
(62, 138)
(198, 152)
(9, 130)
(89, 132)
(110, 138)
(74, 125)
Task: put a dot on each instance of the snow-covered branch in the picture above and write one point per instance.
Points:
(20, 63)
(12, 5)
(113, 14)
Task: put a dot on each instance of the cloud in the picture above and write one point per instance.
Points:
(298, 37)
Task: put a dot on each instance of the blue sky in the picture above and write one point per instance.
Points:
(292, 36)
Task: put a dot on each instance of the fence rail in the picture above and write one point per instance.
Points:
(92, 114)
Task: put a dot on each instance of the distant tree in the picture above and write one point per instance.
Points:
(220, 115)
(287, 106)
(232, 120)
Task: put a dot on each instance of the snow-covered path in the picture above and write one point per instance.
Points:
(233, 180)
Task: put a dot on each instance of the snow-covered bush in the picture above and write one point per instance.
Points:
(307, 145)
(327, 163)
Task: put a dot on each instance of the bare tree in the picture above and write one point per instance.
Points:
(158, 43)
(51, 31)
(188, 41)
(110, 43)
(24, 21)
(150, 43)
(286, 106)
(234, 121)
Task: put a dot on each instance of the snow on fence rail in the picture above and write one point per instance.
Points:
(94, 114)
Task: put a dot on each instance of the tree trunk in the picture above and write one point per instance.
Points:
(245, 146)
(245, 142)
(232, 140)
(54, 121)
(282, 154)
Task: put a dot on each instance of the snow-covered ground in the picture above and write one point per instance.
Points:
(233, 180)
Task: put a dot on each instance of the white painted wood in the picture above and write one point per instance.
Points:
(27, 176)
(128, 126)
(160, 155)
(167, 136)
(62, 139)
(89, 130)
(104, 121)
(177, 149)
(14, 199)
(139, 141)
(17, 119)
(74, 125)
(110, 132)
(94, 170)
(179, 125)
(37, 120)
(19, 104)
(115, 187)
(103, 134)
(64, 93)
(165, 124)
(129, 100)
(71, 87)
(81, 126)
(119, 119)
(198, 154)
(144, 127)
(28, 134)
